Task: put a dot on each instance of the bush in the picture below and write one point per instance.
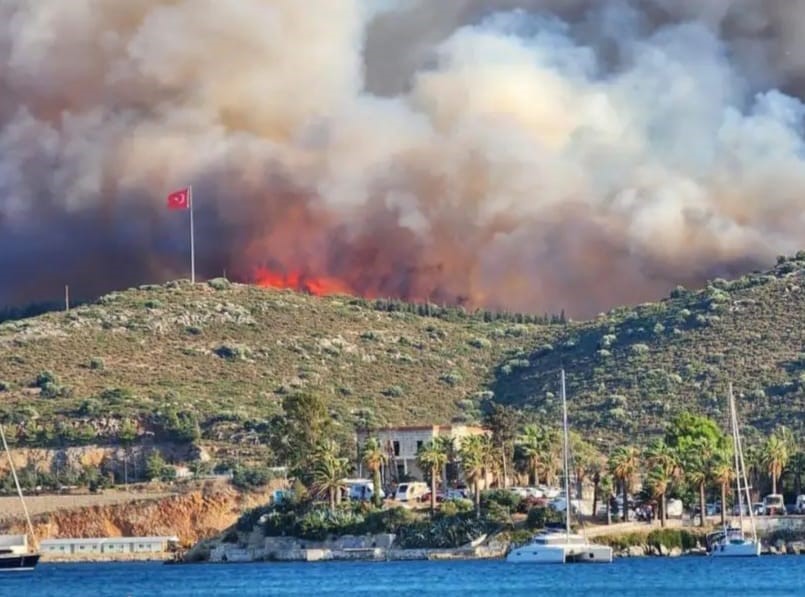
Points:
(394, 392)
(233, 353)
(246, 477)
(5, 386)
(480, 343)
(501, 497)
(540, 517)
(46, 378)
(96, 364)
(451, 379)
(219, 283)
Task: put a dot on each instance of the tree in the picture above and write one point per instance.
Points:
(664, 469)
(471, 453)
(449, 446)
(329, 471)
(374, 458)
(775, 455)
(797, 469)
(432, 456)
(623, 464)
(155, 466)
(724, 475)
(698, 441)
(532, 446)
(503, 422)
(583, 458)
(299, 431)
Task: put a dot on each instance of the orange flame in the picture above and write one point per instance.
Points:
(317, 285)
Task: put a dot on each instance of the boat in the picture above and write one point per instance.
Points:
(561, 546)
(731, 542)
(15, 553)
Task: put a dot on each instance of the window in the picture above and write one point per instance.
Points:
(419, 445)
(396, 445)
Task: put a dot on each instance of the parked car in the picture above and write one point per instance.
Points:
(757, 508)
(800, 504)
(410, 491)
(361, 489)
(674, 508)
(736, 510)
(425, 497)
(457, 494)
(773, 505)
(560, 504)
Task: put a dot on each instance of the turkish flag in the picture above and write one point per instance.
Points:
(179, 199)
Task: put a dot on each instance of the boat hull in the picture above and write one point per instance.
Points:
(561, 554)
(18, 562)
(734, 549)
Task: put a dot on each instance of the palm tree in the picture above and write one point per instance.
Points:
(374, 458)
(623, 464)
(699, 461)
(665, 468)
(329, 470)
(775, 456)
(533, 446)
(606, 487)
(797, 469)
(432, 456)
(448, 445)
(583, 457)
(473, 464)
(724, 475)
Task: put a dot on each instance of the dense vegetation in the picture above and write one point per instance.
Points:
(214, 362)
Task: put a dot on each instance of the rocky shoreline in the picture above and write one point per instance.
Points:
(381, 548)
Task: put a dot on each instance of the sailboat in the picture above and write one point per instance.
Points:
(732, 542)
(15, 554)
(557, 546)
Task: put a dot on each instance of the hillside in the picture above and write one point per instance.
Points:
(220, 356)
(632, 368)
(224, 355)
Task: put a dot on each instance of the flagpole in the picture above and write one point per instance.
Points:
(192, 238)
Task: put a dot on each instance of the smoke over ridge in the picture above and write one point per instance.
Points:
(527, 154)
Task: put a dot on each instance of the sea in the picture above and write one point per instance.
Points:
(643, 577)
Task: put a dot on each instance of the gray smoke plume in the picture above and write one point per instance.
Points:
(527, 154)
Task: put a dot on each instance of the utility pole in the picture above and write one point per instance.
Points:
(66, 297)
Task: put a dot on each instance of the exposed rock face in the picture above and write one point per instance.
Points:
(192, 517)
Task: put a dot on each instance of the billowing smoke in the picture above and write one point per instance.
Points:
(527, 154)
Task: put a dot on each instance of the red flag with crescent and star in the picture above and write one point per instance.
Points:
(179, 199)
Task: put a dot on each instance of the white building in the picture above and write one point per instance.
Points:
(402, 443)
(109, 545)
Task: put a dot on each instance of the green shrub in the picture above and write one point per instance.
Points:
(248, 477)
(219, 283)
(233, 353)
(46, 378)
(480, 343)
(394, 392)
(96, 364)
(5, 386)
(539, 517)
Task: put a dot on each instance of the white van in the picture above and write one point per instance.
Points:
(673, 508)
(773, 505)
(800, 507)
(410, 491)
(361, 489)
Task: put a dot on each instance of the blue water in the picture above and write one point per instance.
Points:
(643, 577)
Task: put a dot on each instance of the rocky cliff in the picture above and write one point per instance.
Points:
(192, 516)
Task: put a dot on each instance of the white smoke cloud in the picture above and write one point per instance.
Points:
(525, 154)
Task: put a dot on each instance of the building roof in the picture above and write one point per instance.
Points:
(97, 540)
(423, 428)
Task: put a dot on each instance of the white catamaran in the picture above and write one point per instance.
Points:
(14, 552)
(556, 546)
(732, 542)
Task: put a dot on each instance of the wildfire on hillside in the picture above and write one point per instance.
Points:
(301, 281)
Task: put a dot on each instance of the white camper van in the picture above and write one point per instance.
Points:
(410, 491)
(361, 489)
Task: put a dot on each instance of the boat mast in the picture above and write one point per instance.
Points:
(19, 489)
(735, 449)
(743, 473)
(566, 458)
